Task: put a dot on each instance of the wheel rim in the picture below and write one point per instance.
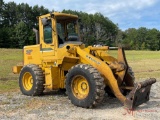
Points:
(80, 87)
(27, 81)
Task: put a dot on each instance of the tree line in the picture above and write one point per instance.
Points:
(140, 39)
(17, 21)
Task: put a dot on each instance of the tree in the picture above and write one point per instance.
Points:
(141, 38)
(25, 14)
(158, 38)
(4, 38)
(152, 39)
(1, 10)
(21, 35)
(130, 39)
(119, 38)
(9, 14)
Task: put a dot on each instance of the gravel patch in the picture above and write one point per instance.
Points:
(56, 106)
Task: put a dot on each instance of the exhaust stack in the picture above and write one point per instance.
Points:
(37, 35)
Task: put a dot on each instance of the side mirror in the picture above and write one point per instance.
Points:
(52, 15)
(45, 21)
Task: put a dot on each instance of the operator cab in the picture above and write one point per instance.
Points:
(67, 29)
(58, 29)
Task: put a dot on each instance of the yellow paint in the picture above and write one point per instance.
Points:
(31, 54)
(105, 70)
(80, 87)
(16, 69)
(27, 81)
(55, 60)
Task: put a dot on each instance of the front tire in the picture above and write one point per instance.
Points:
(84, 86)
(31, 80)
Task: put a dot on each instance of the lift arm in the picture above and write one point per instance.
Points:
(139, 93)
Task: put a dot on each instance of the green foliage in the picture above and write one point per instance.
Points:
(16, 23)
(21, 33)
(141, 39)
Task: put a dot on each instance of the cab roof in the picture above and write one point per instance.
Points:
(59, 15)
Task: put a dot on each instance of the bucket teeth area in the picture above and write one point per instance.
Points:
(147, 82)
(139, 94)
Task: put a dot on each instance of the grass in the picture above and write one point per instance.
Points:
(145, 64)
(9, 58)
(8, 85)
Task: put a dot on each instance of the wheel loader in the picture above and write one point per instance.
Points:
(59, 60)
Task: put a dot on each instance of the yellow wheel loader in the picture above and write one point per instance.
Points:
(59, 60)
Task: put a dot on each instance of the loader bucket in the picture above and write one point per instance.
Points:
(139, 94)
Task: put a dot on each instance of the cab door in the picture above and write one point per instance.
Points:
(47, 40)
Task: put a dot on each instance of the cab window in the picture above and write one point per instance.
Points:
(60, 30)
(48, 33)
(72, 31)
(71, 28)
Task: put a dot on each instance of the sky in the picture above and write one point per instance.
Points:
(125, 13)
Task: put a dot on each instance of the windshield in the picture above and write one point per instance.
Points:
(67, 30)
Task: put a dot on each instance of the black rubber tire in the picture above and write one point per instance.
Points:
(109, 92)
(95, 83)
(131, 73)
(38, 80)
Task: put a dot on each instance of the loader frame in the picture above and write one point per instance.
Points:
(49, 62)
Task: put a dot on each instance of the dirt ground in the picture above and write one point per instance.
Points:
(56, 106)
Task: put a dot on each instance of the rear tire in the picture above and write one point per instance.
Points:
(31, 80)
(84, 86)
